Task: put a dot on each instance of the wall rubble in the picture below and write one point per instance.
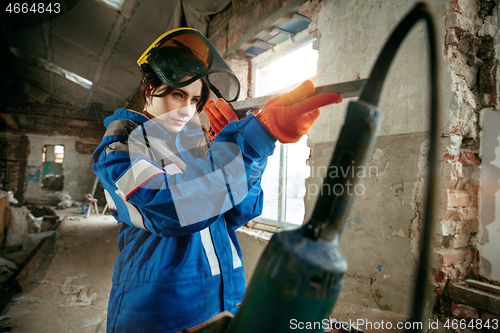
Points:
(471, 44)
(469, 37)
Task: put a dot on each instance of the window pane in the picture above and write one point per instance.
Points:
(270, 186)
(59, 154)
(52, 169)
(287, 71)
(293, 68)
(297, 173)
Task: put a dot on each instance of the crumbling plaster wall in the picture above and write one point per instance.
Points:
(381, 236)
(77, 168)
(472, 53)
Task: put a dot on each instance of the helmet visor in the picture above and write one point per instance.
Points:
(182, 56)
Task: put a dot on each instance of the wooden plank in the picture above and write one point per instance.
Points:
(9, 121)
(484, 300)
(483, 286)
(31, 264)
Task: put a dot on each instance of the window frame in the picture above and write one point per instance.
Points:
(55, 160)
(301, 39)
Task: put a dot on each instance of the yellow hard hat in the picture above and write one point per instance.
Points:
(182, 56)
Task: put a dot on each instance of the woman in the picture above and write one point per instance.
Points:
(180, 202)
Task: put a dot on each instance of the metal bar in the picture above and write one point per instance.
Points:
(290, 35)
(346, 89)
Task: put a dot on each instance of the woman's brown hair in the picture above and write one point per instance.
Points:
(152, 81)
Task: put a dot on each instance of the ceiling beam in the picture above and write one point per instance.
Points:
(56, 112)
(265, 21)
(7, 118)
(50, 67)
(113, 38)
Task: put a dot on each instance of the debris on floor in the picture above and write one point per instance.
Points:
(67, 288)
(22, 229)
(14, 312)
(69, 291)
(82, 299)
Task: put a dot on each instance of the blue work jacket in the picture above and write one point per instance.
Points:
(180, 261)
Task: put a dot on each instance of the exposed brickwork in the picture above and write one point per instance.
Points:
(488, 316)
(10, 160)
(470, 55)
(242, 69)
(44, 119)
(464, 311)
(458, 198)
(454, 257)
(469, 158)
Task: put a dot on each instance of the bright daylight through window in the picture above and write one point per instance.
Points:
(284, 179)
(52, 170)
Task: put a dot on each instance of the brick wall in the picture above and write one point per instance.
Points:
(11, 160)
(469, 52)
(47, 121)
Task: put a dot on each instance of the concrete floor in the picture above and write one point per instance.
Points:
(83, 255)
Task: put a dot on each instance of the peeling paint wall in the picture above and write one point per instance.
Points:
(489, 198)
(77, 168)
(381, 236)
(380, 239)
(472, 54)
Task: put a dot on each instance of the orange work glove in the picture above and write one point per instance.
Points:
(219, 114)
(288, 117)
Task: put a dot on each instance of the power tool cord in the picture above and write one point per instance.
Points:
(371, 94)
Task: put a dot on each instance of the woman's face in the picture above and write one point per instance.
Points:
(174, 110)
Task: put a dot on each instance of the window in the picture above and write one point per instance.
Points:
(283, 181)
(52, 171)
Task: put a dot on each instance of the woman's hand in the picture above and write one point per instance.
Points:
(288, 117)
(219, 114)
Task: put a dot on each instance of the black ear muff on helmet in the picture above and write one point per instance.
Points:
(181, 56)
